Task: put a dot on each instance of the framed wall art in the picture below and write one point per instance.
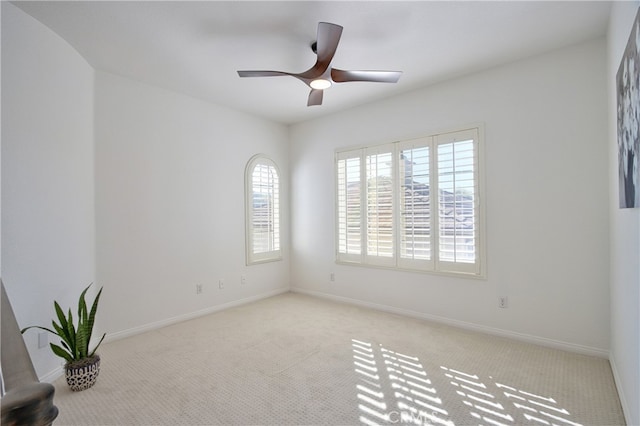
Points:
(628, 106)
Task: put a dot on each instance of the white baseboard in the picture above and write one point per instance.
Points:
(191, 315)
(53, 375)
(621, 394)
(543, 341)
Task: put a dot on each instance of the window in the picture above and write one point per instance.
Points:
(413, 204)
(262, 205)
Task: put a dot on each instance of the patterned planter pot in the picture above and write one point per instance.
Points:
(82, 374)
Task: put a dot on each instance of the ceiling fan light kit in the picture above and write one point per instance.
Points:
(321, 76)
(320, 84)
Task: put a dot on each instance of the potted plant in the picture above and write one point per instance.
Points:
(82, 366)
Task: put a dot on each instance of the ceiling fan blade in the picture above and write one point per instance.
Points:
(300, 77)
(342, 76)
(321, 74)
(261, 73)
(315, 97)
(327, 42)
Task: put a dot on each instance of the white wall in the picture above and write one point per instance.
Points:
(48, 235)
(161, 211)
(547, 186)
(624, 239)
(170, 204)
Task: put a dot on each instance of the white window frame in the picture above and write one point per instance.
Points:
(273, 211)
(465, 255)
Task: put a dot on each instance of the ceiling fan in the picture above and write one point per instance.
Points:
(322, 74)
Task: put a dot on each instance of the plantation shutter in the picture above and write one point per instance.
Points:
(379, 206)
(413, 204)
(415, 239)
(458, 201)
(263, 211)
(349, 206)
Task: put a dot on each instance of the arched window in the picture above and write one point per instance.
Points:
(262, 205)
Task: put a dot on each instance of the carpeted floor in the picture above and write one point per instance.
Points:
(297, 360)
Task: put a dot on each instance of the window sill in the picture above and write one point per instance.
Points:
(453, 274)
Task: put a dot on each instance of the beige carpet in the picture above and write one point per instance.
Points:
(296, 360)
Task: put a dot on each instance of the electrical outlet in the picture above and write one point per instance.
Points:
(243, 280)
(503, 302)
(43, 339)
(332, 277)
(198, 288)
(221, 284)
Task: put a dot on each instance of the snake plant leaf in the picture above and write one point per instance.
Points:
(59, 330)
(91, 320)
(64, 329)
(65, 345)
(82, 305)
(63, 336)
(61, 352)
(84, 336)
(96, 348)
(37, 326)
(82, 341)
(71, 331)
(62, 320)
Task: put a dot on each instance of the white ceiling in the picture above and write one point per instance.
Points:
(196, 47)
